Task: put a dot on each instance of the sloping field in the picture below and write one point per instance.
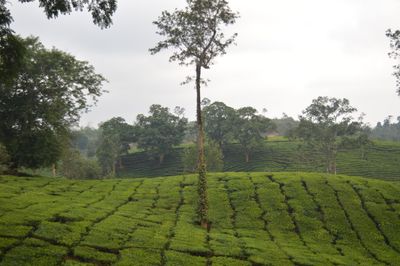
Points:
(382, 160)
(257, 219)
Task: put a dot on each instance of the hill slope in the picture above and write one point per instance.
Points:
(257, 219)
(382, 160)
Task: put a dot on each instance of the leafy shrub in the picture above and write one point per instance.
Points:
(4, 159)
(213, 154)
(75, 166)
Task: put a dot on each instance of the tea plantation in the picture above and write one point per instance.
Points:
(380, 160)
(257, 219)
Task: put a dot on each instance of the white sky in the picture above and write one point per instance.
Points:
(288, 52)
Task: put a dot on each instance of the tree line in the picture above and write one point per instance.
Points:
(327, 126)
(159, 132)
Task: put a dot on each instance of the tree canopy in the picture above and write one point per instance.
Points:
(114, 140)
(326, 125)
(101, 10)
(159, 132)
(219, 122)
(12, 50)
(46, 97)
(249, 128)
(387, 130)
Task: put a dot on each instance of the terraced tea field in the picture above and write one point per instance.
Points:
(257, 219)
(382, 160)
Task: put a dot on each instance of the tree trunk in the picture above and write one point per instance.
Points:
(247, 156)
(120, 165)
(329, 159)
(162, 156)
(328, 164)
(113, 170)
(201, 164)
(334, 161)
(54, 170)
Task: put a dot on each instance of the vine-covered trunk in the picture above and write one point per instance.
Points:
(201, 164)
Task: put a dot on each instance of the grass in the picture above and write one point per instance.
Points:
(381, 160)
(259, 218)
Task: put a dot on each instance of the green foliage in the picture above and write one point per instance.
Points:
(178, 258)
(219, 122)
(139, 257)
(381, 160)
(213, 155)
(326, 126)
(35, 252)
(256, 219)
(387, 130)
(190, 132)
(285, 125)
(195, 32)
(75, 166)
(46, 97)
(85, 140)
(101, 10)
(115, 137)
(12, 51)
(159, 132)
(249, 128)
(88, 253)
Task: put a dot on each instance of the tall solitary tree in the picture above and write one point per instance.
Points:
(195, 34)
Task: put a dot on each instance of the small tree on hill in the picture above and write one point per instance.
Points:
(326, 126)
(115, 136)
(219, 121)
(196, 35)
(249, 129)
(159, 132)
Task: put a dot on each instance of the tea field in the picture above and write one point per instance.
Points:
(380, 160)
(256, 219)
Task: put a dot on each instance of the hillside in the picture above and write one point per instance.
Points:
(257, 219)
(381, 160)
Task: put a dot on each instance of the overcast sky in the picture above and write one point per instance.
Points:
(288, 52)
